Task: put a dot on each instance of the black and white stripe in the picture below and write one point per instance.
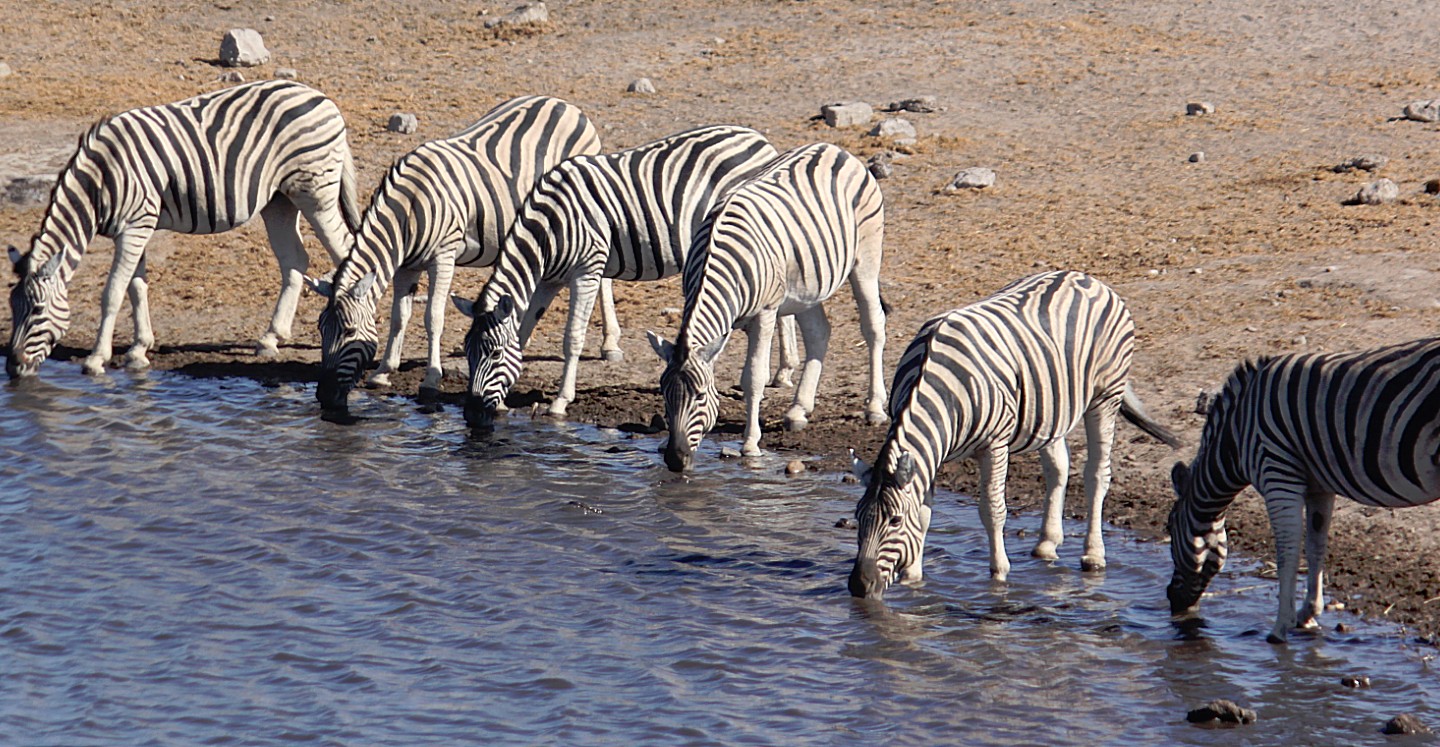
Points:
(1302, 429)
(200, 166)
(447, 203)
(629, 215)
(1013, 373)
(779, 244)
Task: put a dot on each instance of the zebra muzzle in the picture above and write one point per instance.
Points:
(332, 393)
(478, 415)
(866, 580)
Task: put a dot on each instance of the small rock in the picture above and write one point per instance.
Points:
(29, 190)
(1377, 192)
(849, 478)
(1197, 157)
(529, 14)
(288, 73)
(847, 114)
(1367, 162)
(232, 76)
(892, 128)
(5, 70)
(243, 48)
(880, 165)
(1405, 723)
(1432, 186)
(845, 522)
(404, 123)
(587, 508)
(1204, 401)
(976, 177)
(794, 467)
(672, 311)
(917, 105)
(729, 452)
(641, 86)
(1224, 711)
(1199, 108)
(1423, 111)
(1356, 681)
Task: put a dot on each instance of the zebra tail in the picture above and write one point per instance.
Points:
(885, 305)
(1134, 412)
(350, 195)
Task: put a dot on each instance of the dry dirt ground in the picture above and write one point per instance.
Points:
(1080, 108)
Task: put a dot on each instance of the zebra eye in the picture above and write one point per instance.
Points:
(496, 354)
(896, 520)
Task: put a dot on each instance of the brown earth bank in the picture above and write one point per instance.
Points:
(1080, 108)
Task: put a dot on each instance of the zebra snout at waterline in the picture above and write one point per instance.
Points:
(331, 393)
(677, 460)
(20, 365)
(866, 581)
(1183, 600)
(478, 415)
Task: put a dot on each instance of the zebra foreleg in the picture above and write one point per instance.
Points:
(815, 328)
(402, 304)
(282, 226)
(1319, 509)
(610, 343)
(135, 358)
(759, 333)
(994, 462)
(1055, 464)
(129, 250)
(1287, 522)
(582, 303)
(442, 272)
(865, 284)
(1099, 437)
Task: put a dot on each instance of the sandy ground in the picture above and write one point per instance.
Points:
(1080, 108)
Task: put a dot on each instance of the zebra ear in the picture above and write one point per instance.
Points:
(320, 286)
(663, 347)
(1180, 479)
(50, 267)
(904, 468)
(504, 307)
(712, 350)
(15, 258)
(465, 305)
(362, 288)
(859, 468)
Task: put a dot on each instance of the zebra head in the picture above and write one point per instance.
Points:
(1197, 546)
(347, 338)
(893, 517)
(492, 346)
(691, 402)
(40, 310)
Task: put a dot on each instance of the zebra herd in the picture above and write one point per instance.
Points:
(760, 238)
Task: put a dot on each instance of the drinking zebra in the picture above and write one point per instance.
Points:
(780, 243)
(200, 166)
(447, 203)
(1303, 428)
(629, 215)
(1012, 373)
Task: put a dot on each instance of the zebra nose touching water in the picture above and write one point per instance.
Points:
(198, 166)
(446, 204)
(1302, 429)
(1013, 373)
(780, 244)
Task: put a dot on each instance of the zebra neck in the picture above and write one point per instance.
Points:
(1214, 482)
(71, 221)
(513, 279)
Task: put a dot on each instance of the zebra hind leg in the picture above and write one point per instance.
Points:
(282, 226)
(1319, 508)
(610, 351)
(815, 329)
(1099, 437)
(136, 358)
(1055, 464)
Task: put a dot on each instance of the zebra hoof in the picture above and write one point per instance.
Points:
(379, 379)
(876, 418)
(93, 366)
(1045, 550)
(263, 350)
(612, 356)
(782, 381)
(795, 423)
(428, 394)
(136, 363)
(1274, 639)
(1090, 564)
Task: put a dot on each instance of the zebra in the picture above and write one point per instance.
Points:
(779, 243)
(1302, 428)
(1012, 373)
(204, 165)
(445, 204)
(629, 215)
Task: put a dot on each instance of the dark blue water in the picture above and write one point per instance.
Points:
(199, 562)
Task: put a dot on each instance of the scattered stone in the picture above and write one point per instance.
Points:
(529, 14)
(1367, 162)
(849, 478)
(1405, 723)
(243, 48)
(1423, 111)
(917, 105)
(1432, 187)
(1204, 401)
(1378, 192)
(587, 508)
(232, 76)
(288, 73)
(5, 70)
(729, 452)
(1360, 681)
(1344, 628)
(975, 177)
(846, 522)
(1197, 157)
(641, 86)
(404, 123)
(847, 114)
(892, 128)
(1224, 711)
(29, 190)
(794, 467)
(1199, 108)
(880, 165)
